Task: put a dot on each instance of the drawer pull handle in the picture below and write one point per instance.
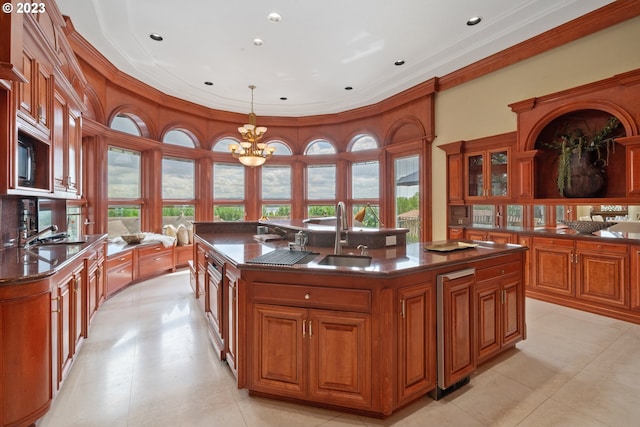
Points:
(501, 271)
(157, 259)
(310, 330)
(307, 296)
(304, 329)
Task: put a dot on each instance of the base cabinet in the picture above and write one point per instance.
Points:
(499, 308)
(214, 305)
(416, 341)
(316, 355)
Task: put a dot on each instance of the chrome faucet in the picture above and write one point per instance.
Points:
(26, 241)
(341, 225)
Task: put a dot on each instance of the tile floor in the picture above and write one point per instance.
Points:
(148, 362)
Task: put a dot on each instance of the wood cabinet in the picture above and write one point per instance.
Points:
(455, 325)
(70, 316)
(308, 351)
(66, 147)
(36, 95)
(416, 341)
(591, 271)
(499, 307)
(119, 271)
(489, 235)
(214, 306)
(232, 277)
(154, 259)
(634, 279)
(25, 339)
(200, 266)
(95, 279)
(486, 174)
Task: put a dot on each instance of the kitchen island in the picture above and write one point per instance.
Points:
(362, 339)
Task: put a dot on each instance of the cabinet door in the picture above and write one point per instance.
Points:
(475, 234)
(231, 336)
(498, 174)
(512, 307)
(79, 330)
(416, 341)
(635, 277)
(500, 237)
(66, 339)
(215, 312)
(458, 349)
(553, 266)
(44, 96)
(59, 144)
(602, 273)
(277, 353)
(488, 312)
(474, 175)
(26, 88)
(340, 358)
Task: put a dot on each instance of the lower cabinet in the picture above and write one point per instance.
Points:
(499, 308)
(489, 235)
(214, 305)
(232, 276)
(634, 278)
(316, 355)
(154, 259)
(589, 271)
(119, 271)
(416, 341)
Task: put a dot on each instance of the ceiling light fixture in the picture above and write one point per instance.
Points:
(251, 152)
(475, 20)
(155, 36)
(208, 83)
(274, 17)
(399, 62)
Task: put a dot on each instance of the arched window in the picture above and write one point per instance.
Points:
(282, 149)
(363, 142)
(125, 124)
(222, 146)
(319, 147)
(179, 137)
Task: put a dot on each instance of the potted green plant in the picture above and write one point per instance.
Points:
(583, 153)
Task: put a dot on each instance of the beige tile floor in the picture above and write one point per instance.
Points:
(148, 362)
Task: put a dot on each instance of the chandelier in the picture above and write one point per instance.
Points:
(251, 152)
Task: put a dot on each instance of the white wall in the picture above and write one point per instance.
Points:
(480, 108)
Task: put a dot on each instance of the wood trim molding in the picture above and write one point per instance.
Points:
(607, 16)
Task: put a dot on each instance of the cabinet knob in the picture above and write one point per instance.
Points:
(501, 271)
(307, 296)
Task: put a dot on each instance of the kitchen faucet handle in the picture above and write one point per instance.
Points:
(363, 249)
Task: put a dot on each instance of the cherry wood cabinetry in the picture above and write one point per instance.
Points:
(66, 147)
(214, 305)
(231, 287)
(313, 354)
(499, 307)
(36, 94)
(119, 271)
(25, 339)
(455, 329)
(129, 264)
(586, 273)
(486, 174)
(634, 279)
(416, 341)
(489, 235)
(94, 267)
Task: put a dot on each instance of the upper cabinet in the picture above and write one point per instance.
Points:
(480, 170)
(36, 94)
(486, 174)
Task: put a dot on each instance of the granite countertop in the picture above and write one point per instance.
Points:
(239, 248)
(18, 265)
(619, 233)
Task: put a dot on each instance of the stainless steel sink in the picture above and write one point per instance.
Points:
(346, 260)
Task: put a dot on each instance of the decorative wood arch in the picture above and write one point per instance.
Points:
(141, 119)
(405, 129)
(195, 135)
(95, 110)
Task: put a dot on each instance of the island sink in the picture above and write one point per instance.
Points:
(346, 260)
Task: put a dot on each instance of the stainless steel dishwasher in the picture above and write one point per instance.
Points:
(454, 330)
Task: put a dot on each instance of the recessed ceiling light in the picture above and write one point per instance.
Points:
(475, 20)
(209, 83)
(274, 17)
(258, 42)
(155, 36)
(348, 88)
(283, 98)
(398, 63)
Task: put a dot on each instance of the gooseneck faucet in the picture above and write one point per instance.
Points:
(342, 224)
(26, 241)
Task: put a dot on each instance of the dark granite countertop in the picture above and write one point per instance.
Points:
(239, 248)
(18, 265)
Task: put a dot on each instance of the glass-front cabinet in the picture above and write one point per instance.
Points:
(487, 174)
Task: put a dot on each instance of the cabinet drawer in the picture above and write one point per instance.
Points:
(153, 250)
(119, 259)
(542, 241)
(119, 276)
(601, 247)
(498, 271)
(311, 296)
(158, 263)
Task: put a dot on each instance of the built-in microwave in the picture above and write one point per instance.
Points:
(26, 162)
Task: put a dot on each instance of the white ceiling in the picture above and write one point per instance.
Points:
(311, 55)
